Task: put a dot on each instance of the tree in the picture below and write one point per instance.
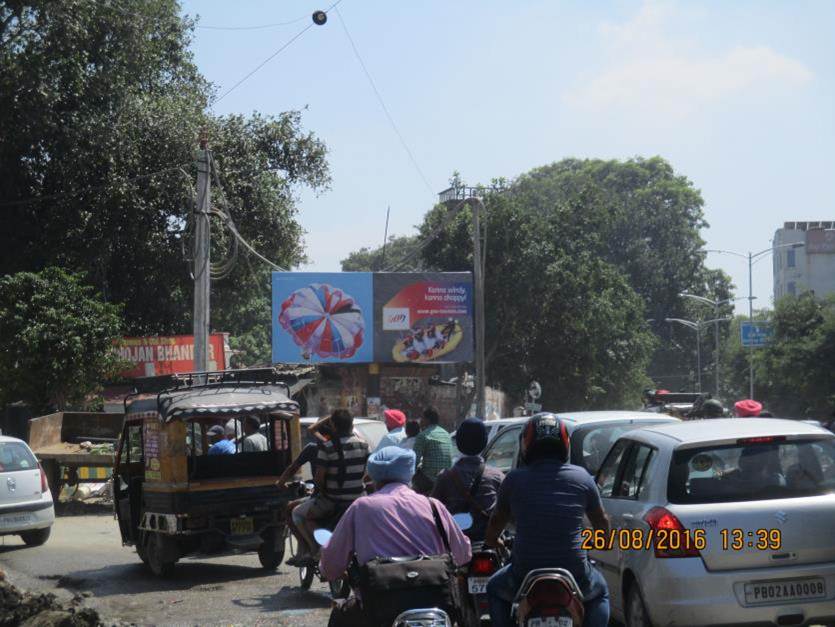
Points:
(58, 338)
(556, 310)
(795, 373)
(401, 253)
(100, 111)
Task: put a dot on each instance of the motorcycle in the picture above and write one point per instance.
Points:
(549, 597)
(484, 564)
(432, 617)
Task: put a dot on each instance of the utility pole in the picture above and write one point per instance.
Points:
(478, 277)
(750, 321)
(202, 240)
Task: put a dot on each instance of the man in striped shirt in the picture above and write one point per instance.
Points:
(340, 468)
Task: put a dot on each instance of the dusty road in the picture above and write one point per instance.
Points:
(85, 554)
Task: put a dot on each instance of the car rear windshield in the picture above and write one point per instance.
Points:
(16, 456)
(757, 469)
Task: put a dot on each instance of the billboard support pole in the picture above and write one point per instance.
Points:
(202, 274)
(478, 277)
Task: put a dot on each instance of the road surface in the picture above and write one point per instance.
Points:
(85, 555)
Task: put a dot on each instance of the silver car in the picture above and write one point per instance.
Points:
(26, 507)
(720, 522)
(592, 435)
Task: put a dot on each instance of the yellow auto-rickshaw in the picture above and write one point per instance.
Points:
(173, 497)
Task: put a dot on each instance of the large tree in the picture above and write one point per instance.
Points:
(94, 95)
(57, 336)
(400, 253)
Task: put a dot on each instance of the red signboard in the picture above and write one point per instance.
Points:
(154, 356)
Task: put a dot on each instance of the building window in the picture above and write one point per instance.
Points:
(791, 288)
(790, 259)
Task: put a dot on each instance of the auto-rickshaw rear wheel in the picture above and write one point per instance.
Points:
(271, 551)
(158, 553)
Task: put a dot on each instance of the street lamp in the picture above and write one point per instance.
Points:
(697, 327)
(716, 305)
(750, 257)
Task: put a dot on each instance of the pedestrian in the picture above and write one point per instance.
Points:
(547, 500)
(220, 445)
(254, 441)
(470, 485)
(412, 430)
(394, 521)
(433, 451)
(395, 421)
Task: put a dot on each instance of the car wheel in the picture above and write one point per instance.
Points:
(36, 537)
(636, 611)
(271, 551)
(158, 555)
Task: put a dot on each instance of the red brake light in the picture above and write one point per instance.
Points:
(762, 439)
(482, 565)
(659, 519)
(44, 484)
(549, 597)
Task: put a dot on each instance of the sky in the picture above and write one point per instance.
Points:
(738, 96)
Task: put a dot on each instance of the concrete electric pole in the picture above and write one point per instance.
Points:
(202, 265)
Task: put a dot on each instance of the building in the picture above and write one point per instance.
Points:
(808, 267)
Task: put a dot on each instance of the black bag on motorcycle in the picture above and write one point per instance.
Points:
(390, 586)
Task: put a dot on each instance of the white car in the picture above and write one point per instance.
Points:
(720, 522)
(26, 507)
(592, 435)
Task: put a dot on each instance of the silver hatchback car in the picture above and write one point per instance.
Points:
(720, 522)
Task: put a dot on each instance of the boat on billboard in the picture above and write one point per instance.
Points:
(363, 317)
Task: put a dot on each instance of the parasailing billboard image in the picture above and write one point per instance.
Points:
(360, 317)
(322, 317)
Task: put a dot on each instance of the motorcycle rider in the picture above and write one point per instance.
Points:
(470, 485)
(547, 498)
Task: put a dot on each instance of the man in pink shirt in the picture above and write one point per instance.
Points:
(394, 521)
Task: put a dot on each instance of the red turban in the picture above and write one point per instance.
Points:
(394, 418)
(747, 408)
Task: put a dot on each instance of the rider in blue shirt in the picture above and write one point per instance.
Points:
(547, 499)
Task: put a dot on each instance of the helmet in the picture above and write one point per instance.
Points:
(545, 434)
(713, 408)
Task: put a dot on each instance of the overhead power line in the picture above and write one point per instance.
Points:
(271, 57)
(428, 239)
(306, 16)
(383, 104)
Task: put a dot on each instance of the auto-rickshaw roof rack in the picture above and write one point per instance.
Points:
(179, 381)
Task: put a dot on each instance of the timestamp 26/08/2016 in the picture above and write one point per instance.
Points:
(679, 539)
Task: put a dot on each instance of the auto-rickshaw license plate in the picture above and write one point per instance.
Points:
(242, 526)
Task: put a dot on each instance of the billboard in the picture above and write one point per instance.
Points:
(154, 356)
(360, 317)
(322, 317)
(423, 317)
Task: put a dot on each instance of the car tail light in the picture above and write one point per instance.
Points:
(482, 565)
(660, 519)
(44, 483)
(762, 439)
(549, 597)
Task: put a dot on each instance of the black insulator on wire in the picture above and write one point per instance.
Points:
(320, 17)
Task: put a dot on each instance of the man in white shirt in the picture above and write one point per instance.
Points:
(395, 420)
(255, 441)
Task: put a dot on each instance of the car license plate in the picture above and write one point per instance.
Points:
(551, 621)
(765, 592)
(477, 585)
(12, 520)
(242, 526)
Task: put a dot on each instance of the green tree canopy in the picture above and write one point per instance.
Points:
(57, 337)
(92, 96)
(400, 252)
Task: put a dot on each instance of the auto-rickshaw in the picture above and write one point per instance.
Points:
(172, 498)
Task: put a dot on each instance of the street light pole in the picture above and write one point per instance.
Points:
(751, 257)
(697, 327)
(478, 278)
(202, 247)
(699, 359)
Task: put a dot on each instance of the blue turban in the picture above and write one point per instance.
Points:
(471, 437)
(392, 463)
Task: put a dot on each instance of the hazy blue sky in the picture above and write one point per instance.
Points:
(738, 96)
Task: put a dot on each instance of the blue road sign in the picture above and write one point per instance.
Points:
(756, 334)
